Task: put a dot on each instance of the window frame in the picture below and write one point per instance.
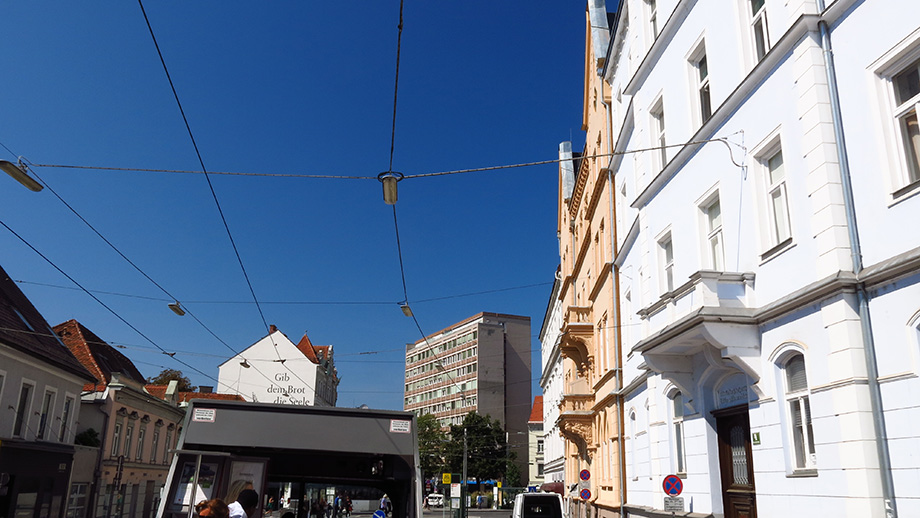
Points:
(758, 17)
(697, 58)
(21, 421)
(799, 397)
(116, 439)
(904, 179)
(714, 253)
(651, 12)
(67, 412)
(678, 431)
(665, 263)
(770, 242)
(658, 134)
(46, 412)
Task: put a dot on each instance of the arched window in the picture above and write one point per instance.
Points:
(803, 439)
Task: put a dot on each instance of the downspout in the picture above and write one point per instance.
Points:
(875, 395)
(618, 365)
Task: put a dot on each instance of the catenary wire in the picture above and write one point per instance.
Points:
(214, 195)
(723, 140)
(139, 270)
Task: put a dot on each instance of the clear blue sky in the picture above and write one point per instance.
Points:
(288, 87)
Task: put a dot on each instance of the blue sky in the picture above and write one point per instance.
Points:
(287, 87)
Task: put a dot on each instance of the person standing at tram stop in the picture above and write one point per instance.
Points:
(245, 505)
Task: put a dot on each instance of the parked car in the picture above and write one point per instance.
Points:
(537, 505)
(435, 500)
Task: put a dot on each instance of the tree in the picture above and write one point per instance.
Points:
(167, 375)
(431, 441)
(487, 449)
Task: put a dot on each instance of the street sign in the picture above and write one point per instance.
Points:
(445, 478)
(674, 504)
(672, 485)
(380, 514)
(585, 494)
(584, 475)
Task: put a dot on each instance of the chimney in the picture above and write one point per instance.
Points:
(272, 329)
(172, 390)
(205, 389)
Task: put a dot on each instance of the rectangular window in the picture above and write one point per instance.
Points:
(129, 431)
(539, 445)
(653, 18)
(139, 455)
(116, 439)
(759, 31)
(155, 446)
(907, 100)
(22, 410)
(713, 212)
(666, 259)
(76, 503)
(678, 423)
(777, 199)
(658, 135)
(166, 447)
(65, 419)
(45, 417)
(702, 87)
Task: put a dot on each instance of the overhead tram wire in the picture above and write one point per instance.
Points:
(724, 140)
(291, 302)
(138, 269)
(220, 210)
(109, 309)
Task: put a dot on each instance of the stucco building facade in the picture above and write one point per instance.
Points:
(479, 364)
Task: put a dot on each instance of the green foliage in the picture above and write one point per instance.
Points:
(88, 437)
(487, 449)
(167, 375)
(431, 442)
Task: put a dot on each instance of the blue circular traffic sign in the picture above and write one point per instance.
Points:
(586, 494)
(380, 514)
(672, 485)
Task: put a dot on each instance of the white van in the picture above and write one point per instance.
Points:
(537, 505)
(435, 500)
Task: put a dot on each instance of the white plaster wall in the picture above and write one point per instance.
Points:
(553, 443)
(267, 380)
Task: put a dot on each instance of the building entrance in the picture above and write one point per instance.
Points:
(736, 462)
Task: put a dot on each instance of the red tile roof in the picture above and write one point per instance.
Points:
(536, 413)
(100, 358)
(306, 347)
(159, 391)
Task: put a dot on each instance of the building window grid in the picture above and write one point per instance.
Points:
(759, 32)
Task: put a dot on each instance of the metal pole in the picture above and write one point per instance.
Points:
(463, 488)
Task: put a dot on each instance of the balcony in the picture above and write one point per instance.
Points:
(576, 420)
(577, 339)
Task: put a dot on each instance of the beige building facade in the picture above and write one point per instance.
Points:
(590, 411)
(480, 364)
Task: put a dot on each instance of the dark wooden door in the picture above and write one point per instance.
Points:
(736, 464)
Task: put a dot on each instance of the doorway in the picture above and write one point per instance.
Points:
(736, 462)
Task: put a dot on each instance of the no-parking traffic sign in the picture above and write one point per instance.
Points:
(672, 485)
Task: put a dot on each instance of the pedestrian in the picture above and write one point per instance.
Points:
(347, 505)
(215, 508)
(245, 504)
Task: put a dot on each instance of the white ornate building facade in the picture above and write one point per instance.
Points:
(767, 262)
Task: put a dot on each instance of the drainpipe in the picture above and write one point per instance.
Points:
(875, 395)
(614, 292)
